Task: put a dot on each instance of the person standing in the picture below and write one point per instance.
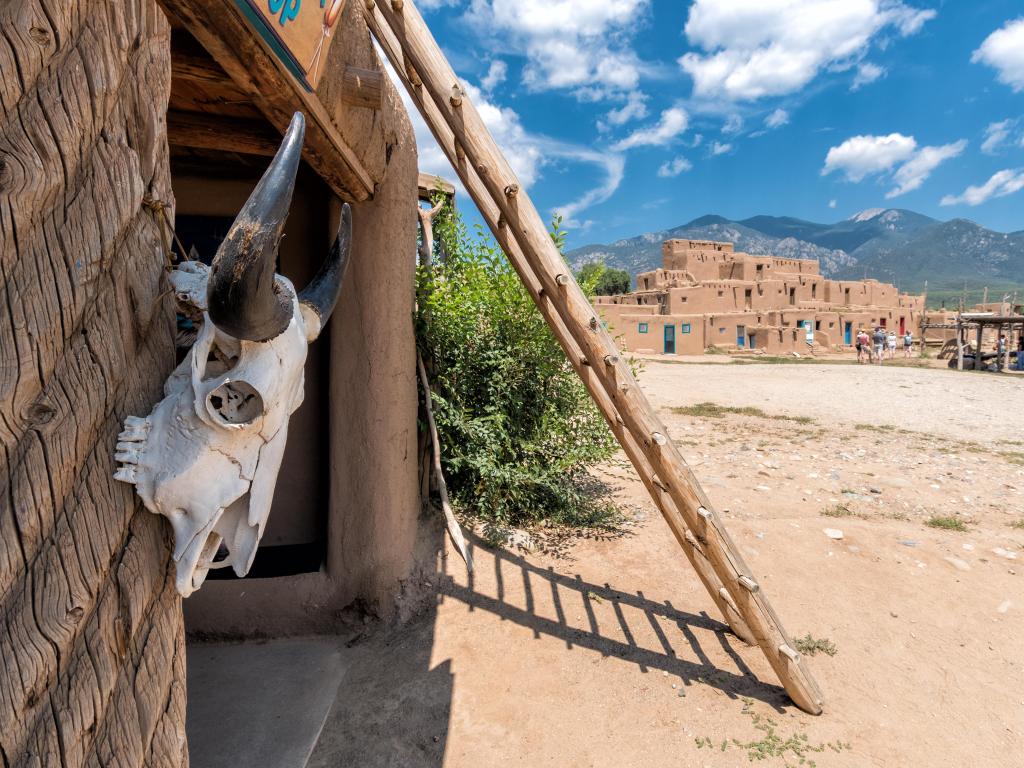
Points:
(891, 344)
(863, 346)
(878, 342)
(908, 343)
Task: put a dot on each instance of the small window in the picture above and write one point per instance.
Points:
(643, 327)
(817, 325)
(721, 330)
(685, 327)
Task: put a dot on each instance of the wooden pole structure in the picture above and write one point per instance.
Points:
(977, 349)
(664, 502)
(427, 233)
(442, 487)
(516, 224)
(924, 317)
(959, 343)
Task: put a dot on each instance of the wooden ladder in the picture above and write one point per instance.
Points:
(519, 229)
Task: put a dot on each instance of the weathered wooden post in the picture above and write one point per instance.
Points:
(92, 662)
(959, 343)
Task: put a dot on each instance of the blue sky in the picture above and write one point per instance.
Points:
(630, 116)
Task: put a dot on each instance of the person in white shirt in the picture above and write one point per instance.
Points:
(891, 344)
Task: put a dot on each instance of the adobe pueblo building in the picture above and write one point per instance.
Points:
(707, 295)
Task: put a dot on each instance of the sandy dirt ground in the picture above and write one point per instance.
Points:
(610, 653)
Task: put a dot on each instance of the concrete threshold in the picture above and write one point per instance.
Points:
(260, 703)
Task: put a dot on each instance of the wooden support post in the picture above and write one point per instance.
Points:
(485, 172)
(426, 249)
(959, 344)
(977, 350)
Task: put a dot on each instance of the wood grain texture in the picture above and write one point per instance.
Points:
(91, 634)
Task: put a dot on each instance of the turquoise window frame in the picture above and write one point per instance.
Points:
(642, 328)
(684, 328)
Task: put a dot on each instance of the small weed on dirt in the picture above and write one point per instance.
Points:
(839, 510)
(874, 427)
(771, 744)
(715, 411)
(947, 523)
(810, 646)
(1018, 524)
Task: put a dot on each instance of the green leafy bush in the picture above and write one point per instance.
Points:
(517, 427)
(606, 281)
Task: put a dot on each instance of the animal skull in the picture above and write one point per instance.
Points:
(208, 455)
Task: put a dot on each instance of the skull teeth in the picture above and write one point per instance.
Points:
(135, 430)
(127, 453)
(125, 474)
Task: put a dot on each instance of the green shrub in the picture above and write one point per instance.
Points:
(517, 428)
(606, 281)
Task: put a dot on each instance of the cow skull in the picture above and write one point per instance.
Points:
(208, 456)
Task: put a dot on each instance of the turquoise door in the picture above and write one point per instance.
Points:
(670, 339)
(848, 335)
(741, 336)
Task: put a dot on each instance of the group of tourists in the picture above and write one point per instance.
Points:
(875, 346)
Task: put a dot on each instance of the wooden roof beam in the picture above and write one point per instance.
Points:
(242, 54)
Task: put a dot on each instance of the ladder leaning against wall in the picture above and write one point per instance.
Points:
(519, 229)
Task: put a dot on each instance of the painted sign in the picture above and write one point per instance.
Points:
(298, 32)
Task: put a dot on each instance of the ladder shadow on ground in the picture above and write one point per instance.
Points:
(667, 623)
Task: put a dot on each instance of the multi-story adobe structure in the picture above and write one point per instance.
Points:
(708, 295)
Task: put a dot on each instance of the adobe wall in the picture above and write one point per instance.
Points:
(376, 535)
(735, 296)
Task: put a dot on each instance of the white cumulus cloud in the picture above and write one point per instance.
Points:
(635, 108)
(1001, 133)
(1003, 50)
(720, 148)
(777, 119)
(733, 124)
(867, 73)
(895, 156)
(1001, 184)
(758, 48)
(573, 44)
(674, 167)
(496, 74)
(913, 173)
(673, 122)
(864, 155)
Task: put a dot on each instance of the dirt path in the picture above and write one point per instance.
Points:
(614, 656)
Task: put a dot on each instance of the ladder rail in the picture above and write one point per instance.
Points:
(415, 54)
(663, 501)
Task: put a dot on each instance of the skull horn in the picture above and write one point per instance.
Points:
(323, 290)
(244, 299)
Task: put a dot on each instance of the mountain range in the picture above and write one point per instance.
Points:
(889, 244)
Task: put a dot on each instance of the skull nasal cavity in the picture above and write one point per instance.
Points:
(235, 402)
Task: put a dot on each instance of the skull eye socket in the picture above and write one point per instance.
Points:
(235, 402)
